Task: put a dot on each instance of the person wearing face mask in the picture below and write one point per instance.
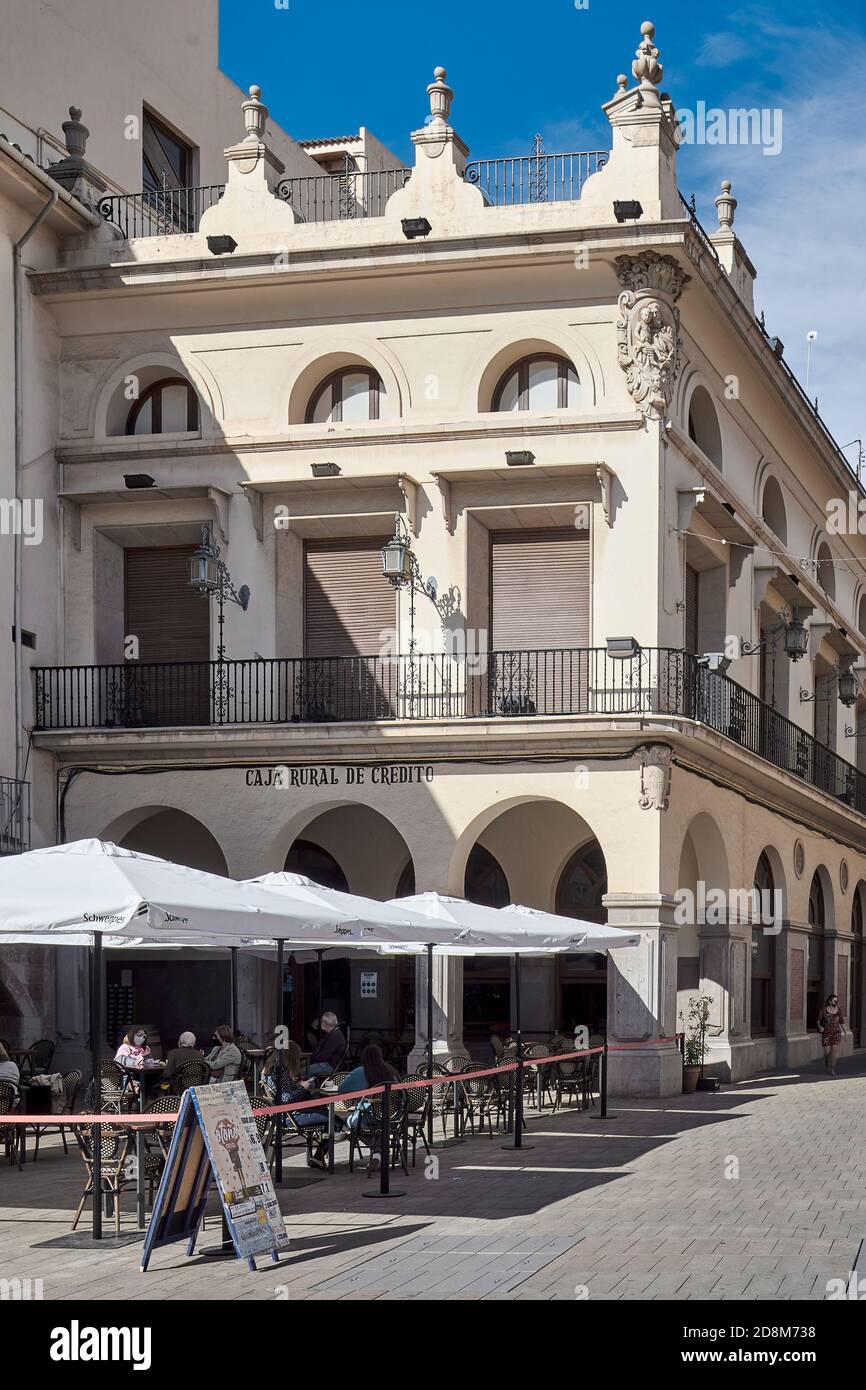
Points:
(133, 1051)
(831, 1023)
(225, 1058)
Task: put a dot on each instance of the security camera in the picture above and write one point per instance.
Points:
(715, 661)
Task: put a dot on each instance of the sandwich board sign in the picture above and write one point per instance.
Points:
(215, 1139)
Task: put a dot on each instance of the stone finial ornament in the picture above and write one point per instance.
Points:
(648, 343)
(441, 97)
(75, 133)
(646, 68)
(621, 85)
(255, 115)
(655, 777)
(726, 206)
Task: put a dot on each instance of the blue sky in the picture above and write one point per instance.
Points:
(329, 66)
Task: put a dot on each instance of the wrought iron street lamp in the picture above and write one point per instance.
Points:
(401, 569)
(209, 576)
(795, 638)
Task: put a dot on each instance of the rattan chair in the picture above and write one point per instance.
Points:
(484, 1099)
(190, 1074)
(39, 1058)
(9, 1133)
(569, 1079)
(114, 1146)
(418, 1102)
(538, 1080)
(367, 1132)
(71, 1082)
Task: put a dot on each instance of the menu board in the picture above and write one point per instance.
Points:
(215, 1138)
(241, 1169)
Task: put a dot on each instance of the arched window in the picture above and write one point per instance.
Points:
(704, 425)
(484, 881)
(763, 952)
(169, 406)
(307, 858)
(773, 510)
(538, 383)
(861, 615)
(856, 1023)
(815, 971)
(583, 884)
(826, 572)
(349, 395)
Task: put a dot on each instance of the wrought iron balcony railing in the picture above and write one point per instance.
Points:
(339, 197)
(490, 685)
(159, 212)
(14, 816)
(535, 178)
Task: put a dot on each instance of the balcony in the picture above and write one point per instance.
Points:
(14, 816)
(491, 685)
(353, 194)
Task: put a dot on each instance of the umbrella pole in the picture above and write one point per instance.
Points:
(278, 1074)
(518, 1075)
(234, 989)
(96, 1061)
(319, 954)
(430, 1040)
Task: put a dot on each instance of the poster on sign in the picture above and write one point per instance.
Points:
(240, 1168)
(216, 1139)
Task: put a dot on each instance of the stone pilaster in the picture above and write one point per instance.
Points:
(447, 1009)
(642, 998)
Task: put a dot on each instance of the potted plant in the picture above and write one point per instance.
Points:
(695, 1042)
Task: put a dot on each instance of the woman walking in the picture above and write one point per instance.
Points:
(831, 1023)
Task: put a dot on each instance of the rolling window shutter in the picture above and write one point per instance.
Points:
(347, 602)
(540, 589)
(169, 619)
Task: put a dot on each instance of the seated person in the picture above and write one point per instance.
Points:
(373, 1071)
(9, 1070)
(224, 1058)
(186, 1051)
(287, 1062)
(330, 1050)
(133, 1052)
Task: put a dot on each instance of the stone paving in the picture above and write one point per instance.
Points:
(757, 1192)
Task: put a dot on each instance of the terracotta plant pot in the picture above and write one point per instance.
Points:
(691, 1077)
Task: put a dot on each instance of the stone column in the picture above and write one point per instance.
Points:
(642, 997)
(447, 1010)
(725, 950)
(72, 1009)
(793, 1045)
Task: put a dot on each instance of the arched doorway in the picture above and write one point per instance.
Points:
(316, 863)
(353, 849)
(583, 978)
(763, 954)
(177, 836)
(815, 961)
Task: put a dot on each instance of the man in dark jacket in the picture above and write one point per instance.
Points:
(330, 1050)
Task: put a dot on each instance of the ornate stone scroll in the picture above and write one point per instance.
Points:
(648, 344)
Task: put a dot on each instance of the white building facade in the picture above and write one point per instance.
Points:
(632, 689)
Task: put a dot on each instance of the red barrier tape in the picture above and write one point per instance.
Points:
(148, 1121)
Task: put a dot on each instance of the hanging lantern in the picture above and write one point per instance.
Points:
(204, 574)
(397, 559)
(849, 687)
(796, 637)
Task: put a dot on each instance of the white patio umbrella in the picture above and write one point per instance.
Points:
(358, 921)
(471, 929)
(599, 938)
(96, 887)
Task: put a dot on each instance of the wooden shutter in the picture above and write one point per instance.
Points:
(170, 620)
(348, 605)
(172, 624)
(347, 602)
(692, 591)
(539, 615)
(539, 589)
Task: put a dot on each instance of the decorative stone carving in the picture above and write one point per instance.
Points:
(646, 68)
(441, 96)
(726, 206)
(655, 777)
(648, 342)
